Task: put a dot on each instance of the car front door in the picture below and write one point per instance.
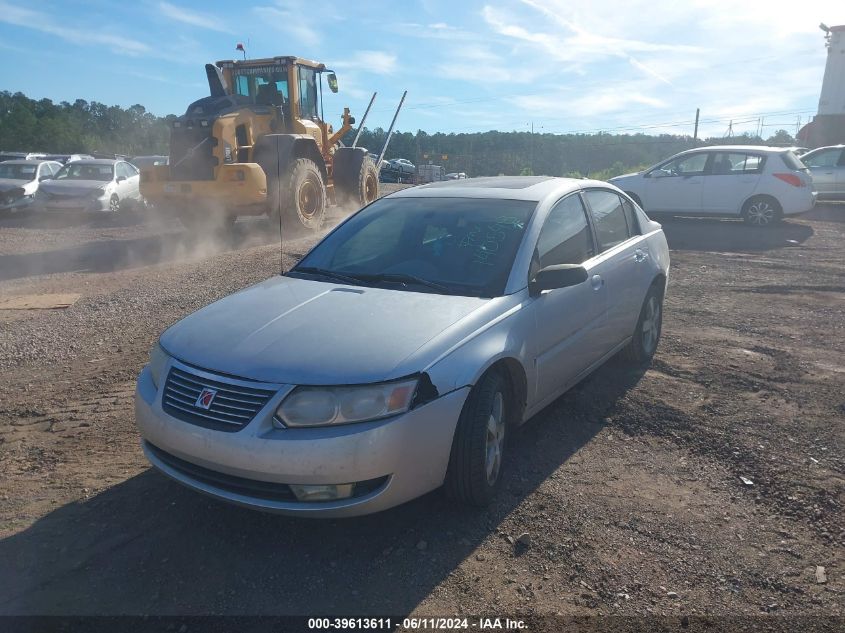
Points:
(675, 186)
(565, 318)
(622, 264)
(825, 169)
(731, 180)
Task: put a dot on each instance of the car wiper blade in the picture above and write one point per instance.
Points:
(313, 270)
(404, 278)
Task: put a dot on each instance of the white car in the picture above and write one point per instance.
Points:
(19, 180)
(95, 185)
(759, 184)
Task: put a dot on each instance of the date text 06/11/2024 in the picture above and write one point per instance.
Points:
(417, 624)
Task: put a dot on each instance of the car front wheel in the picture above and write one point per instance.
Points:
(479, 445)
(643, 344)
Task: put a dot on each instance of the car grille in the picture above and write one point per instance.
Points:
(233, 406)
(268, 490)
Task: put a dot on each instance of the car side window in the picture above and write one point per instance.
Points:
(827, 158)
(735, 163)
(565, 237)
(631, 217)
(122, 171)
(692, 165)
(608, 218)
(131, 170)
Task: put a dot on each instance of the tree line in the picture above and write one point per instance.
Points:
(85, 127)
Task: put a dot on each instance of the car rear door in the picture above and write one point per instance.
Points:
(675, 186)
(563, 342)
(622, 264)
(730, 180)
(824, 167)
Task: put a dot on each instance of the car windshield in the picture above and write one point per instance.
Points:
(461, 246)
(86, 171)
(18, 171)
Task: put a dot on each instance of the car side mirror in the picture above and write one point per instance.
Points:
(332, 81)
(121, 178)
(557, 276)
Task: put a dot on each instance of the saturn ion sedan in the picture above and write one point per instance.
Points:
(403, 350)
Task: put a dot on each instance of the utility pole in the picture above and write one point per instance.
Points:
(695, 134)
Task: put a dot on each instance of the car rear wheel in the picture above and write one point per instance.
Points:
(762, 211)
(646, 336)
(480, 442)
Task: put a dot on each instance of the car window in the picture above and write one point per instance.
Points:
(608, 217)
(565, 237)
(735, 163)
(826, 158)
(466, 245)
(631, 217)
(690, 165)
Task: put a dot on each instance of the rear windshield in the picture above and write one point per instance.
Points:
(792, 161)
(464, 245)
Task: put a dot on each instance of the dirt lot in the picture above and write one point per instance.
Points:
(629, 486)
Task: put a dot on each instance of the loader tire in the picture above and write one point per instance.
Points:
(364, 190)
(301, 198)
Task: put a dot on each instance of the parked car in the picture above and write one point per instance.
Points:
(4, 156)
(759, 184)
(95, 185)
(404, 348)
(67, 158)
(20, 179)
(456, 175)
(827, 166)
(398, 170)
(149, 161)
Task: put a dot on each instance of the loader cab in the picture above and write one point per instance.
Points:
(288, 85)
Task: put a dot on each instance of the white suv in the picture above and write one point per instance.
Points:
(759, 184)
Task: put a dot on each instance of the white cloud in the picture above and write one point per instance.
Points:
(193, 18)
(27, 18)
(290, 19)
(375, 62)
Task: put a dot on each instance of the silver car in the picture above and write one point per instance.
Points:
(827, 165)
(19, 181)
(404, 348)
(91, 186)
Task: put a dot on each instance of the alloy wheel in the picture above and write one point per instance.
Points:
(651, 324)
(761, 213)
(495, 439)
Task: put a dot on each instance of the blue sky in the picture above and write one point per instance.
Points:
(563, 65)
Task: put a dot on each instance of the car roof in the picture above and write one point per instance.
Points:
(738, 148)
(534, 188)
(96, 161)
(31, 161)
(813, 151)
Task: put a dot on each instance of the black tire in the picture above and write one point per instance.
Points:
(303, 197)
(762, 211)
(361, 188)
(646, 338)
(468, 478)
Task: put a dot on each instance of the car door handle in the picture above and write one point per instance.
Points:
(640, 255)
(597, 282)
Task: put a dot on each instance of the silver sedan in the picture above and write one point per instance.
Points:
(400, 354)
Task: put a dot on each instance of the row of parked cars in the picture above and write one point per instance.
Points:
(71, 183)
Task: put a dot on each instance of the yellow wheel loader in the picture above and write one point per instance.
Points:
(259, 144)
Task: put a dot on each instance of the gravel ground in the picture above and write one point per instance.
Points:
(628, 487)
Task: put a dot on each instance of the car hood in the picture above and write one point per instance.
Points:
(297, 331)
(72, 187)
(630, 176)
(11, 183)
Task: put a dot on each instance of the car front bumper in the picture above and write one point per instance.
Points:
(408, 454)
(76, 204)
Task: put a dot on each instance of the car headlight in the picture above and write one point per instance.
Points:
(323, 406)
(158, 361)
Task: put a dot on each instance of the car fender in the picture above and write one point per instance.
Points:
(505, 338)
